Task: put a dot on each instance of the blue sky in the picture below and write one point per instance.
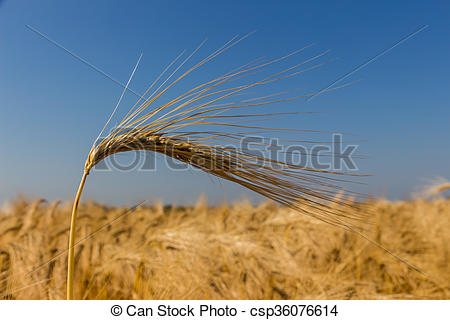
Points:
(52, 106)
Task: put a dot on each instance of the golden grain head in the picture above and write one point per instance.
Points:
(174, 129)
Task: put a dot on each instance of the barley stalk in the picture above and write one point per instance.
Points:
(71, 254)
(308, 190)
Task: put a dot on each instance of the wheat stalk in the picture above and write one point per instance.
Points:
(160, 129)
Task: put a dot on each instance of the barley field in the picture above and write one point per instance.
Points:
(235, 251)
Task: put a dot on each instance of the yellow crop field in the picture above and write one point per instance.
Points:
(235, 251)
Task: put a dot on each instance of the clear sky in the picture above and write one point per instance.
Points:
(52, 105)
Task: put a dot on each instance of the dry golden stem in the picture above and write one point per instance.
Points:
(71, 256)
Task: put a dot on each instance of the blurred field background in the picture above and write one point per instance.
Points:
(238, 251)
